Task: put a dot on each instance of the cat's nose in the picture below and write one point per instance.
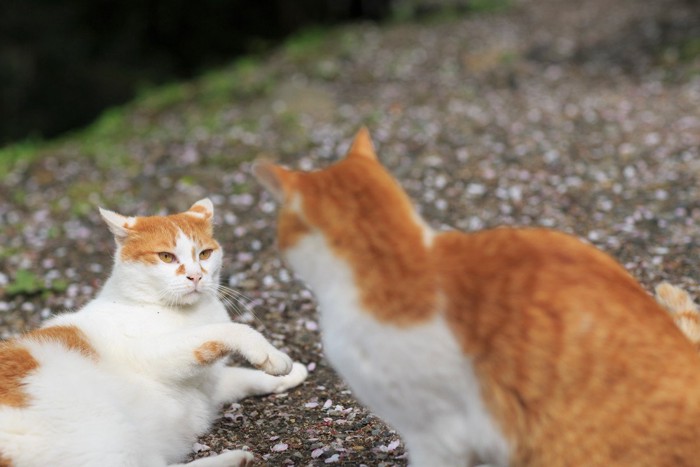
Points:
(195, 278)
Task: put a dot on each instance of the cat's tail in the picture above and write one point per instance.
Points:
(682, 308)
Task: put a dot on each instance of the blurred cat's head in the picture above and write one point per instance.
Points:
(170, 260)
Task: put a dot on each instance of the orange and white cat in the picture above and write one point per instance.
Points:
(511, 346)
(137, 374)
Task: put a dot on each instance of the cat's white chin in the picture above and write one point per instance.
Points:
(189, 298)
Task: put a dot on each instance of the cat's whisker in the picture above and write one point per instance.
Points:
(169, 297)
(237, 300)
(237, 304)
(233, 305)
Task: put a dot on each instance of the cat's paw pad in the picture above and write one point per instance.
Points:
(273, 362)
(294, 378)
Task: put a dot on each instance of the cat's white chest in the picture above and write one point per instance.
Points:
(415, 378)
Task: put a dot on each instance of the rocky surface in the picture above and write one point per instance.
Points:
(582, 116)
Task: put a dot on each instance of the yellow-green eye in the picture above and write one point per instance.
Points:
(205, 254)
(166, 257)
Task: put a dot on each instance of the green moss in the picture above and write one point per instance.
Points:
(415, 11)
(306, 43)
(488, 6)
(23, 151)
(25, 282)
(690, 49)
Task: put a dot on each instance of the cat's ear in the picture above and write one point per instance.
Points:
(278, 180)
(119, 225)
(204, 209)
(362, 145)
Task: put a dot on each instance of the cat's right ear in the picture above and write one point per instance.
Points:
(362, 145)
(118, 224)
(278, 180)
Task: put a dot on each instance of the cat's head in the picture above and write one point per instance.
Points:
(169, 260)
(353, 208)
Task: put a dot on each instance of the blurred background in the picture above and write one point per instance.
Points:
(62, 61)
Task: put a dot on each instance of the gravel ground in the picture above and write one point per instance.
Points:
(583, 116)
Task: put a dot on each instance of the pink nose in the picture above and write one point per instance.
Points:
(195, 278)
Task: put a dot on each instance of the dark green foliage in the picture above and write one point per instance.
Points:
(62, 61)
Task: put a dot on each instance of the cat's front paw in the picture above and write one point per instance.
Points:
(293, 379)
(272, 362)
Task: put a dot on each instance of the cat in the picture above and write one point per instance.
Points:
(682, 308)
(508, 346)
(133, 378)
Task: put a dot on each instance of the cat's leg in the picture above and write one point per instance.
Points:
(236, 458)
(181, 355)
(236, 383)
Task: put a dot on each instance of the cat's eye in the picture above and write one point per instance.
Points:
(205, 254)
(166, 257)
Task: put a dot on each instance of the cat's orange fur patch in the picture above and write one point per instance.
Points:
(150, 235)
(15, 364)
(290, 229)
(180, 270)
(209, 352)
(70, 337)
(4, 461)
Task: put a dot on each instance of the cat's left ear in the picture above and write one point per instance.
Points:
(362, 145)
(278, 180)
(119, 225)
(204, 209)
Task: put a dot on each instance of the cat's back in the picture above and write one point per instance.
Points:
(509, 270)
(568, 345)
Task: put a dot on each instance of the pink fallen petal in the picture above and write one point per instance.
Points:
(317, 453)
(333, 459)
(280, 447)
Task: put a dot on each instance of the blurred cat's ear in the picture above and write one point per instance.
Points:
(203, 209)
(278, 180)
(362, 145)
(119, 225)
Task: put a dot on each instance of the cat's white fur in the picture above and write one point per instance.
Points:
(145, 399)
(391, 369)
